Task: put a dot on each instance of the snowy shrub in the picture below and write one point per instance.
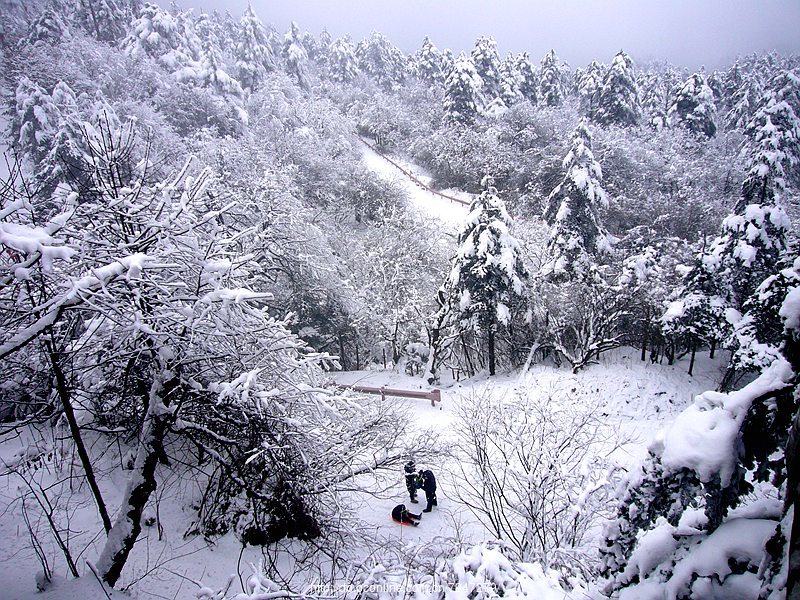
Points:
(530, 471)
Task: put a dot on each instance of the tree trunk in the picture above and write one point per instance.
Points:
(490, 341)
(141, 485)
(694, 352)
(75, 432)
(341, 353)
(792, 502)
(470, 368)
(395, 353)
(646, 334)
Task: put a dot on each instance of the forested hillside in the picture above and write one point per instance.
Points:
(192, 245)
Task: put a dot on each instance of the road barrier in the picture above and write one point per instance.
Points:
(434, 395)
(411, 176)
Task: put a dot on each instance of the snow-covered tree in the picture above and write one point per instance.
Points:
(510, 82)
(295, 54)
(49, 27)
(773, 148)
(528, 80)
(487, 64)
(589, 84)
(382, 60)
(157, 34)
(210, 68)
(105, 20)
(577, 236)
(342, 63)
(429, 64)
(487, 277)
(693, 107)
(744, 100)
(463, 96)
(551, 88)
(618, 97)
(675, 530)
(254, 57)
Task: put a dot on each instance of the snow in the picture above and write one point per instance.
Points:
(704, 436)
(450, 213)
(740, 540)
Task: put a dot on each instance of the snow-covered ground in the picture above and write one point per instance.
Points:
(637, 399)
(450, 213)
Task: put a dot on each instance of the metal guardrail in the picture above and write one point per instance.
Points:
(411, 176)
(434, 395)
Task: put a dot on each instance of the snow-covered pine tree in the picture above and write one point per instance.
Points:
(551, 88)
(210, 71)
(342, 63)
(773, 147)
(744, 101)
(697, 313)
(577, 235)
(295, 54)
(588, 86)
(487, 277)
(510, 82)
(487, 64)
(731, 82)
(382, 60)
(463, 98)
(105, 20)
(254, 57)
(49, 27)
(693, 107)
(618, 97)
(157, 34)
(429, 64)
(528, 80)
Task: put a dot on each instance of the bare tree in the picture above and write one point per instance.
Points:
(532, 471)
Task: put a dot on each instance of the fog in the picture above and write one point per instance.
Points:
(684, 32)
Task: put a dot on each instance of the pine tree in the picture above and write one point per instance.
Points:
(429, 63)
(589, 83)
(528, 81)
(157, 34)
(296, 56)
(510, 82)
(551, 88)
(773, 147)
(694, 108)
(49, 27)
(487, 65)
(381, 60)
(463, 97)
(487, 275)
(342, 65)
(744, 101)
(105, 20)
(577, 235)
(254, 58)
(618, 97)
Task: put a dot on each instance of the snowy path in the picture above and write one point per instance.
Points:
(636, 400)
(429, 203)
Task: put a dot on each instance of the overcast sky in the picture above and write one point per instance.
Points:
(685, 32)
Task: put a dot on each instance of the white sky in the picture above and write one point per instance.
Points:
(685, 32)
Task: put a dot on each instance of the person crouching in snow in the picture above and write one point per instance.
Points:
(411, 480)
(401, 515)
(427, 482)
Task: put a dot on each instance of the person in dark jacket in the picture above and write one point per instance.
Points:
(401, 515)
(411, 480)
(427, 482)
